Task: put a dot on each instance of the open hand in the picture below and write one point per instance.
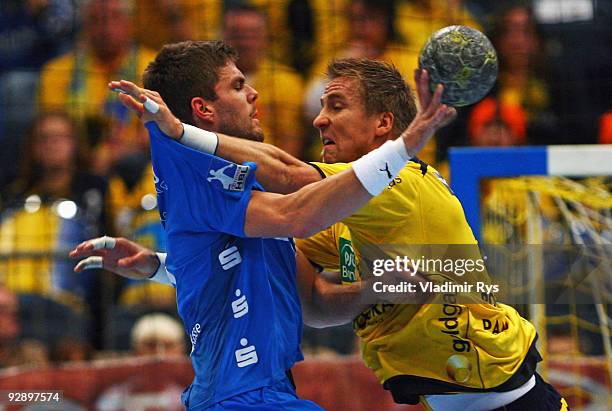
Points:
(118, 255)
(135, 98)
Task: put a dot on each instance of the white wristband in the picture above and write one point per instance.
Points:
(379, 167)
(161, 275)
(198, 139)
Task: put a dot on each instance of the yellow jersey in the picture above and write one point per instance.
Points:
(444, 346)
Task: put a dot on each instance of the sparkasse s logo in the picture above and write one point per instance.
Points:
(230, 257)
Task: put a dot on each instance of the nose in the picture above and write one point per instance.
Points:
(252, 94)
(320, 120)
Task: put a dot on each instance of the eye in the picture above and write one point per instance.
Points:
(239, 85)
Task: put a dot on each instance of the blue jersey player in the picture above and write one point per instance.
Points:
(236, 295)
(230, 257)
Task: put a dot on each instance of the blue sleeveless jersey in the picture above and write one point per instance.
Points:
(237, 296)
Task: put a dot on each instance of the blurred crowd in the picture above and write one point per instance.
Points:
(75, 163)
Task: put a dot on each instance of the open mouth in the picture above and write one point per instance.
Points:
(327, 141)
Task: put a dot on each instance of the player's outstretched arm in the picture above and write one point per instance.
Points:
(118, 255)
(277, 170)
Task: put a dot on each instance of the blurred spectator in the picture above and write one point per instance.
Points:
(372, 34)
(605, 128)
(33, 353)
(15, 351)
(158, 334)
(280, 88)
(159, 22)
(77, 81)
(133, 207)
(31, 32)
(153, 335)
(9, 328)
(300, 46)
(330, 27)
(71, 349)
(518, 110)
(418, 19)
(579, 39)
(51, 207)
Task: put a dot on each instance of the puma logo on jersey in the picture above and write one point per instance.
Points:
(389, 175)
(235, 183)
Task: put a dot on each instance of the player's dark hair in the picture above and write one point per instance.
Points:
(182, 71)
(382, 88)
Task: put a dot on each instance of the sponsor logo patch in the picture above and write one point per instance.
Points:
(230, 181)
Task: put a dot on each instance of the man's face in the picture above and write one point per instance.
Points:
(246, 32)
(235, 109)
(55, 144)
(368, 26)
(109, 29)
(346, 131)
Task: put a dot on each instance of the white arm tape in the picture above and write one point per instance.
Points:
(198, 139)
(151, 106)
(379, 167)
(161, 275)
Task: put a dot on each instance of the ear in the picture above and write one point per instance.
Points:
(385, 124)
(202, 111)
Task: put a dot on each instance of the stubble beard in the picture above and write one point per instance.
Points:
(232, 125)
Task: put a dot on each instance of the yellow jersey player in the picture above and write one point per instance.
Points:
(482, 353)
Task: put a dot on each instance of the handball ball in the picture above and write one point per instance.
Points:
(463, 60)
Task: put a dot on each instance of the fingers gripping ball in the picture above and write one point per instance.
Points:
(463, 60)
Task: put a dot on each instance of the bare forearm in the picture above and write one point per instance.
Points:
(277, 171)
(307, 211)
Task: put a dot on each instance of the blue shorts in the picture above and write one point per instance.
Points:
(280, 396)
